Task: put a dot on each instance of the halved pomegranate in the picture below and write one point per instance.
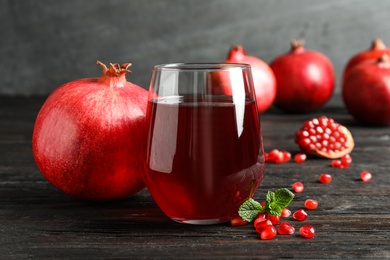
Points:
(324, 137)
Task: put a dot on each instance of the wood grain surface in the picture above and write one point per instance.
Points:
(39, 222)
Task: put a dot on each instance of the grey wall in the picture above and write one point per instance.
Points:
(45, 43)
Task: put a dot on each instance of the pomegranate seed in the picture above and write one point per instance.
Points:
(286, 228)
(276, 156)
(297, 186)
(307, 231)
(271, 157)
(259, 218)
(365, 176)
(279, 158)
(325, 178)
(274, 219)
(343, 163)
(285, 213)
(269, 232)
(336, 164)
(300, 157)
(238, 221)
(346, 160)
(263, 224)
(286, 156)
(311, 204)
(300, 215)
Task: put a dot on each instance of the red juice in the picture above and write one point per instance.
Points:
(204, 159)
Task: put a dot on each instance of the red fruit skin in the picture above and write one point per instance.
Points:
(378, 48)
(263, 78)
(89, 139)
(305, 80)
(366, 92)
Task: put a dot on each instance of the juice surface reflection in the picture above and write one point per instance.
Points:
(204, 158)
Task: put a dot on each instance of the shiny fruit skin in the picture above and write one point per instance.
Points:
(263, 78)
(305, 80)
(366, 92)
(377, 49)
(88, 139)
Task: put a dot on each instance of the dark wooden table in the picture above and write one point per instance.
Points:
(38, 221)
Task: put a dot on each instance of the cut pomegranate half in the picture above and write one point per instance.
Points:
(324, 137)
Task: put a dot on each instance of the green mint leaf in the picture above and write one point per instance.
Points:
(277, 201)
(249, 209)
(270, 197)
(283, 197)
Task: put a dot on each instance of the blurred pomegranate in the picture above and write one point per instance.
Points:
(366, 92)
(305, 79)
(378, 48)
(263, 78)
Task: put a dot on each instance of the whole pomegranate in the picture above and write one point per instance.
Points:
(366, 92)
(305, 79)
(263, 78)
(89, 137)
(378, 48)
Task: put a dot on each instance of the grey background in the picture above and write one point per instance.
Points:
(45, 43)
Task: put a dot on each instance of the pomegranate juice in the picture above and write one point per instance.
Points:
(204, 158)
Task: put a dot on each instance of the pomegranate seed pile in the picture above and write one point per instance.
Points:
(268, 226)
(321, 134)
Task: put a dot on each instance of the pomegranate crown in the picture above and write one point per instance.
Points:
(115, 76)
(378, 44)
(297, 45)
(115, 68)
(236, 53)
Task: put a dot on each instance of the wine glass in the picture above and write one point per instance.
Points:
(205, 151)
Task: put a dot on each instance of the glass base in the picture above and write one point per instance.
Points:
(201, 221)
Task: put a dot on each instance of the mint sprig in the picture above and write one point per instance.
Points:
(275, 202)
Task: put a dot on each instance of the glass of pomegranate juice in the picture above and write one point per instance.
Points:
(205, 150)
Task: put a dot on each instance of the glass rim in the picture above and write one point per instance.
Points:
(200, 66)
